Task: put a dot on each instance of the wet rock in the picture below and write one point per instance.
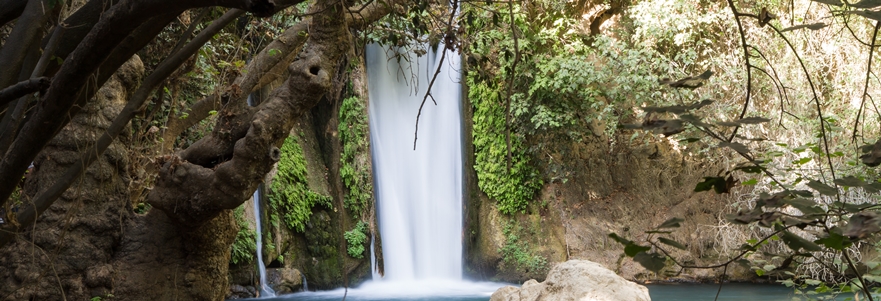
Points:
(240, 292)
(576, 280)
(284, 280)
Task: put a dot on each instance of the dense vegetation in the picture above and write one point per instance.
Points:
(780, 92)
(750, 81)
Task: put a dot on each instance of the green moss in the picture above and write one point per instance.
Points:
(245, 245)
(514, 188)
(355, 240)
(354, 160)
(290, 196)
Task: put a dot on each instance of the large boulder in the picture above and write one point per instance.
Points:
(580, 280)
(284, 280)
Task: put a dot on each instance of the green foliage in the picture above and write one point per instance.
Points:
(290, 195)
(356, 239)
(516, 253)
(244, 247)
(355, 159)
(513, 188)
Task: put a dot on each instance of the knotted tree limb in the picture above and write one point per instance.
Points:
(114, 26)
(260, 69)
(268, 66)
(192, 194)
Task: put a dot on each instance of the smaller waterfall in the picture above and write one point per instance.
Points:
(305, 284)
(265, 290)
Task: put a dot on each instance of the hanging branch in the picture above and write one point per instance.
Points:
(866, 86)
(448, 45)
(511, 84)
(746, 56)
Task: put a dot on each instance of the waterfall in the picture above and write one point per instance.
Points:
(265, 290)
(419, 192)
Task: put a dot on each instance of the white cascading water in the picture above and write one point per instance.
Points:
(265, 290)
(419, 192)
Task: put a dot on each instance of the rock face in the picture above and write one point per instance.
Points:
(580, 280)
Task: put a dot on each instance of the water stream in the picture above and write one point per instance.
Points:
(265, 290)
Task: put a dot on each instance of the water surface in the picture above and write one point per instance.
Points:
(481, 291)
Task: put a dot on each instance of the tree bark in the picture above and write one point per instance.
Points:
(67, 252)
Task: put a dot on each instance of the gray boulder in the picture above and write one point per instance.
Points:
(580, 280)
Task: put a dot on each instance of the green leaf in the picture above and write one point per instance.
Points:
(796, 242)
(863, 224)
(735, 146)
(671, 223)
(802, 161)
(620, 239)
(812, 26)
(850, 181)
(866, 4)
(633, 249)
(751, 181)
(750, 169)
(834, 241)
(708, 183)
(753, 120)
(671, 243)
(823, 188)
(806, 206)
(868, 14)
(653, 262)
